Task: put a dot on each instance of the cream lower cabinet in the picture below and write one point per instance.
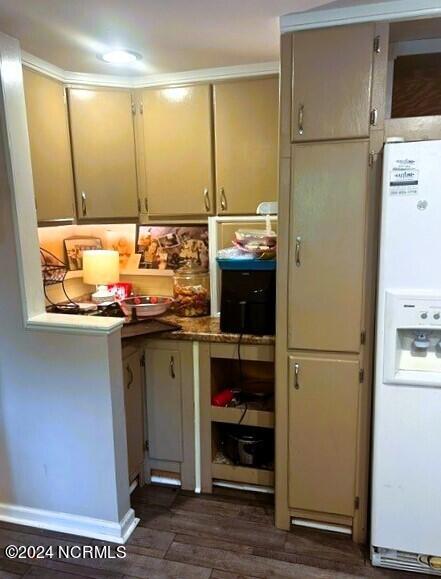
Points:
(323, 418)
(246, 136)
(103, 150)
(50, 148)
(170, 412)
(134, 407)
(177, 128)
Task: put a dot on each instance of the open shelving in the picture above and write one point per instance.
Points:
(250, 369)
(242, 474)
(251, 417)
(413, 107)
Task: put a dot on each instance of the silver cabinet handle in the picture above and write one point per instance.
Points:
(296, 375)
(377, 44)
(130, 373)
(146, 204)
(172, 367)
(207, 200)
(298, 248)
(300, 119)
(84, 203)
(223, 198)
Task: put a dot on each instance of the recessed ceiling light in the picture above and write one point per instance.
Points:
(120, 56)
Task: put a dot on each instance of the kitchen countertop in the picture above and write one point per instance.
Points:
(203, 329)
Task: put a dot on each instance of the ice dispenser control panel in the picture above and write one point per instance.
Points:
(412, 340)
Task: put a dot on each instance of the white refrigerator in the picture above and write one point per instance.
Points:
(406, 485)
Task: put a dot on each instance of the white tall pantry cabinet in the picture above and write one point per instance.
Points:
(328, 164)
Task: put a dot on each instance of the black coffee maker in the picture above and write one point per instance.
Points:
(248, 298)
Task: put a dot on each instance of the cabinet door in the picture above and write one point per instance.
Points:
(323, 414)
(246, 129)
(133, 399)
(178, 150)
(103, 145)
(50, 147)
(332, 82)
(164, 404)
(327, 236)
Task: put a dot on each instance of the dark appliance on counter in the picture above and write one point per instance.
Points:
(249, 446)
(248, 297)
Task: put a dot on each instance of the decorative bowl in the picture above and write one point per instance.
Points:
(146, 306)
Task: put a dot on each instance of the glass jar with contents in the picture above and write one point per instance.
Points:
(191, 291)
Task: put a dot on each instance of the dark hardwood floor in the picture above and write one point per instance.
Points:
(227, 535)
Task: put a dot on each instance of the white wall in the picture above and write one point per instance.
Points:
(62, 426)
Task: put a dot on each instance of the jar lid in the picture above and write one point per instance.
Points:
(190, 267)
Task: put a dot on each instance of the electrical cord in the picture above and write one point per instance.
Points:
(241, 377)
(240, 359)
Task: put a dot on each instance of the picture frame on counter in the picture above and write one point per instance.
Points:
(74, 247)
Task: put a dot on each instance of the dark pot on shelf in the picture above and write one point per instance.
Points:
(247, 446)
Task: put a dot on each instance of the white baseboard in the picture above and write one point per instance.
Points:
(72, 524)
(322, 526)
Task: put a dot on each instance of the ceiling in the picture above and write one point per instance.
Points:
(172, 35)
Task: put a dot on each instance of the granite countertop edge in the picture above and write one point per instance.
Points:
(202, 329)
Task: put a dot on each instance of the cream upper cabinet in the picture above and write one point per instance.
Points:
(246, 142)
(327, 243)
(103, 148)
(332, 71)
(323, 419)
(50, 148)
(178, 150)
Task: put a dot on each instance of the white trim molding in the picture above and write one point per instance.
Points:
(424, 46)
(69, 324)
(152, 80)
(72, 524)
(42, 66)
(197, 419)
(209, 74)
(375, 11)
(18, 159)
